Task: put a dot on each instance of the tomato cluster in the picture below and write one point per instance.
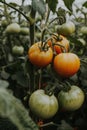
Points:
(55, 51)
(46, 106)
(65, 64)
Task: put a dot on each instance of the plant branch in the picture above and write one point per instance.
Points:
(32, 27)
(48, 124)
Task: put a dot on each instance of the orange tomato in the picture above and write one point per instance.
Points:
(62, 42)
(66, 64)
(39, 57)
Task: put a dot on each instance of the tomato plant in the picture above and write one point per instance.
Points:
(39, 56)
(72, 99)
(59, 43)
(38, 39)
(43, 105)
(66, 64)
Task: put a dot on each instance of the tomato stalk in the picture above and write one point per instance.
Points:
(67, 86)
(58, 39)
(32, 26)
(50, 89)
(40, 123)
(60, 46)
(48, 124)
(83, 60)
(60, 19)
(44, 30)
(40, 78)
(42, 37)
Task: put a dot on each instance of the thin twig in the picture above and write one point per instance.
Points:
(48, 124)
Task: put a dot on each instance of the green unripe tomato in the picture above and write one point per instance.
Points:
(13, 28)
(71, 100)
(18, 50)
(66, 29)
(4, 23)
(43, 105)
(24, 30)
(83, 30)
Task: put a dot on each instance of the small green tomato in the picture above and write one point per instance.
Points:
(18, 50)
(13, 28)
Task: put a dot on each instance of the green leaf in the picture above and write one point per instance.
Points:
(13, 4)
(85, 4)
(68, 4)
(21, 79)
(12, 109)
(26, 8)
(52, 4)
(40, 6)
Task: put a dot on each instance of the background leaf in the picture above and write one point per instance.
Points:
(39, 5)
(12, 109)
(85, 4)
(68, 4)
(52, 4)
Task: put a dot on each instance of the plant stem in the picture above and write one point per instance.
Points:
(42, 36)
(9, 65)
(40, 78)
(45, 26)
(6, 13)
(32, 27)
(85, 15)
(48, 124)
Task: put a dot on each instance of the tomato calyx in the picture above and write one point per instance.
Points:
(56, 39)
(43, 46)
(66, 86)
(50, 89)
(49, 92)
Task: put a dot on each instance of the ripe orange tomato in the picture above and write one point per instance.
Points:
(66, 64)
(39, 57)
(63, 41)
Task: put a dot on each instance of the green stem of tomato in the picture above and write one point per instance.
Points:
(42, 37)
(60, 46)
(67, 86)
(40, 78)
(50, 88)
(32, 27)
(45, 28)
